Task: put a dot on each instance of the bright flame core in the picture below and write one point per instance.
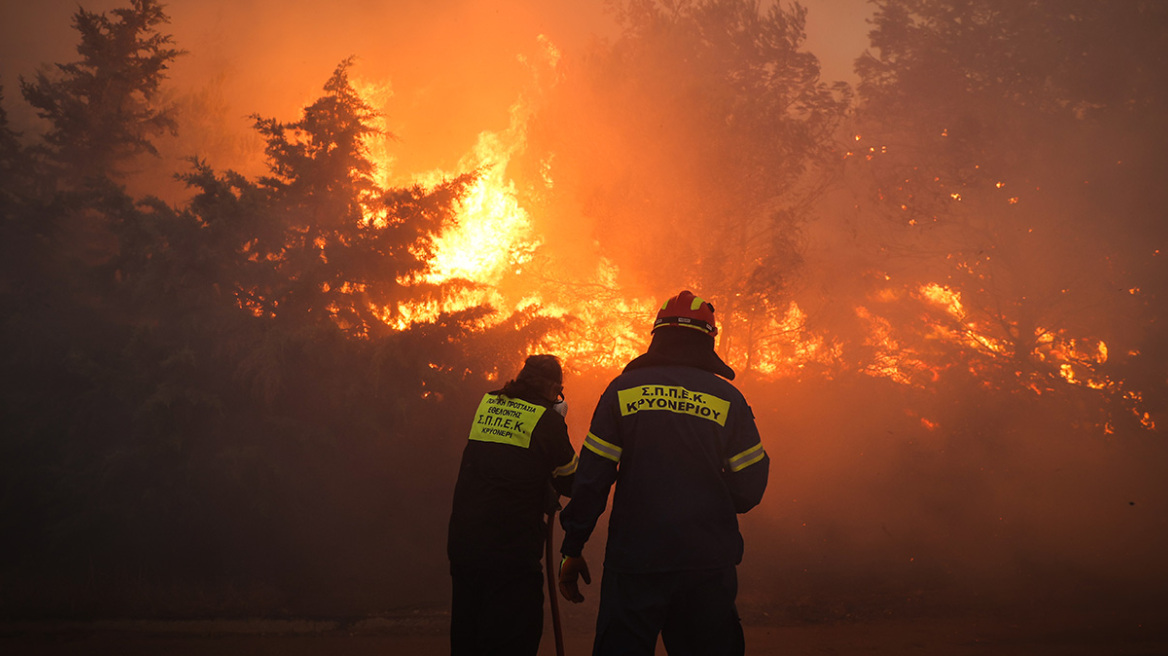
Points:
(495, 241)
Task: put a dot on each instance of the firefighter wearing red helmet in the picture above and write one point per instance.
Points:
(680, 444)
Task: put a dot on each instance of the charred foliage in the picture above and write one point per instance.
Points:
(943, 290)
(217, 398)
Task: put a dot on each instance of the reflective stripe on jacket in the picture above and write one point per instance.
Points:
(683, 450)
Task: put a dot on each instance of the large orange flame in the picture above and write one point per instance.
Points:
(495, 241)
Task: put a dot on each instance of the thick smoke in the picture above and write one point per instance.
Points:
(454, 67)
(885, 497)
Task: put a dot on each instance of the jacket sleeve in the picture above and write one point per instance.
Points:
(559, 454)
(595, 475)
(747, 464)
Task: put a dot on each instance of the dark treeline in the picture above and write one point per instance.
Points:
(204, 398)
(216, 408)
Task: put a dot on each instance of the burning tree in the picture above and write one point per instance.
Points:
(1003, 144)
(319, 248)
(238, 385)
(705, 141)
(221, 358)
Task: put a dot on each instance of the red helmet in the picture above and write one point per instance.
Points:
(689, 311)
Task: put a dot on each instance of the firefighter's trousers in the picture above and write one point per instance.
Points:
(693, 612)
(495, 613)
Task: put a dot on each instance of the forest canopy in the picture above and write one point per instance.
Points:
(250, 388)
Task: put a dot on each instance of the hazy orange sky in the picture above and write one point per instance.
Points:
(872, 488)
(453, 65)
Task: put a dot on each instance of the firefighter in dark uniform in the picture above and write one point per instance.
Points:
(681, 445)
(516, 463)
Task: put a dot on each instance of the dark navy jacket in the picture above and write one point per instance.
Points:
(518, 451)
(681, 445)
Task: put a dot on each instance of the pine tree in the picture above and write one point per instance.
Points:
(105, 109)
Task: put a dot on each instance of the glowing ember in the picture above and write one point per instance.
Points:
(960, 329)
(784, 347)
(495, 248)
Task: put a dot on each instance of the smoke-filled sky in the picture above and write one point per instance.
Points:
(453, 66)
(857, 482)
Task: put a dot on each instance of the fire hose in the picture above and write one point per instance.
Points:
(553, 570)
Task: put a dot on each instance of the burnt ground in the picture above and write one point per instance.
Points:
(1005, 633)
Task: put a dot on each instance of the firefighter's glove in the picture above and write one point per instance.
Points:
(572, 568)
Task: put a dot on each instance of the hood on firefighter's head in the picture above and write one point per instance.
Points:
(682, 346)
